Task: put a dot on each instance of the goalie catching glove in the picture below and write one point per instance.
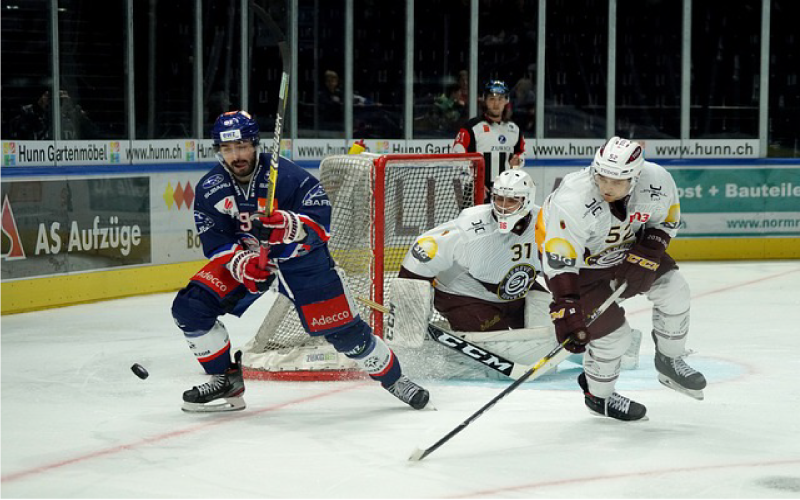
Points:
(280, 228)
(244, 269)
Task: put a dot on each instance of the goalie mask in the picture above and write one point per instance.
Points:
(619, 159)
(236, 139)
(512, 198)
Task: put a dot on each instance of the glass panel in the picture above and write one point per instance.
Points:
(163, 37)
(266, 66)
(379, 69)
(726, 46)
(576, 61)
(649, 69)
(441, 63)
(92, 63)
(221, 67)
(320, 62)
(507, 31)
(784, 91)
(26, 76)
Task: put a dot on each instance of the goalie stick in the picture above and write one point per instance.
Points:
(555, 356)
(463, 346)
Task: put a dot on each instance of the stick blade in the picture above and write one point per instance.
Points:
(418, 455)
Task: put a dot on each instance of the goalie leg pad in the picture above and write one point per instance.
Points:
(601, 361)
(370, 352)
(537, 309)
(410, 311)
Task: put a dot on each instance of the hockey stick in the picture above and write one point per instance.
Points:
(279, 114)
(463, 346)
(558, 354)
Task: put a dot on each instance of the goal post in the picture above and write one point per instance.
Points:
(380, 204)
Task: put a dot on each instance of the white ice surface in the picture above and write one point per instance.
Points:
(76, 423)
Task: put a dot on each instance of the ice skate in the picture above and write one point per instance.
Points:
(678, 376)
(222, 393)
(408, 392)
(615, 406)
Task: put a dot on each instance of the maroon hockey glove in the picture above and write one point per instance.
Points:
(570, 322)
(640, 265)
(282, 227)
(245, 270)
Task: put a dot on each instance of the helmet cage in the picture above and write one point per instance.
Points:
(517, 185)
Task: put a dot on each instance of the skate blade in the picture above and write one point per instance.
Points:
(606, 417)
(692, 393)
(229, 404)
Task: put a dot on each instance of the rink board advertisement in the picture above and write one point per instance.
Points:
(62, 226)
(175, 238)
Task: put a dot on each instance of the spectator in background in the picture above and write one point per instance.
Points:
(523, 102)
(331, 102)
(34, 122)
(493, 134)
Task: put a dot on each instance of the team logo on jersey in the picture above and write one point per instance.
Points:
(501, 139)
(8, 226)
(609, 257)
(202, 222)
(424, 250)
(316, 197)
(213, 181)
(516, 283)
(560, 253)
(227, 206)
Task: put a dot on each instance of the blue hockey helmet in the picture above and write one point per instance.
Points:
(497, 87)
(235, 126)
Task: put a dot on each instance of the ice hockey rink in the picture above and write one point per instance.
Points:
(76, 423)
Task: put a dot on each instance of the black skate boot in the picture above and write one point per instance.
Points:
(678, 376)
(222, 393)
(408, 392)
(616, 406)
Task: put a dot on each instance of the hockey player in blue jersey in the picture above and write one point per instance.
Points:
(231, 221)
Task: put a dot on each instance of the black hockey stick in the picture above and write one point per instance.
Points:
(279, 118)
(557, 352)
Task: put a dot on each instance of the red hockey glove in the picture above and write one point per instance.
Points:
(281, 227)
(640, 265)
(245, 270)
(570, 322)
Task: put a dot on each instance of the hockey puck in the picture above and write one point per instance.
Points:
(139, 371)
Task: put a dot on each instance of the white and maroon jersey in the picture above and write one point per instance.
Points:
(576, 228)
(497, 141)
(468, 256)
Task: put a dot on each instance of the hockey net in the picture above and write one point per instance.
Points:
(381, 203)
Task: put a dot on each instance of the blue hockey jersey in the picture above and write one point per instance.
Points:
(223, 206)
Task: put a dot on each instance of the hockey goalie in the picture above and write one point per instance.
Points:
(477, 275)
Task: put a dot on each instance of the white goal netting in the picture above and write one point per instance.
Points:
(381, 203)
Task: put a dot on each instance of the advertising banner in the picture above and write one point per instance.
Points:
(52, 227)
(175, 238)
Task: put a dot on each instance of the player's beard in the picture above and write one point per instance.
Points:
(242, 169)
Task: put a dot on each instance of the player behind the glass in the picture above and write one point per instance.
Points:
(612, 223)
(493, 134)
(231, 227)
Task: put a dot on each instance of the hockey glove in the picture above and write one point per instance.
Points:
(570, 322)
(282, 227)
(640, 265)
(244, 269)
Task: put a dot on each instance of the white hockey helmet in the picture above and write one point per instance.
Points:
(514, 184)
(619, 159)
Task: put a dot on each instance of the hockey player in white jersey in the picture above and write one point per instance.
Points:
(484, 265)
(611, 223)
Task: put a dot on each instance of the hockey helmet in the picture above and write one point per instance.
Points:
(496, 87)
(235, 126)
(619, 159)
(512, 184)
